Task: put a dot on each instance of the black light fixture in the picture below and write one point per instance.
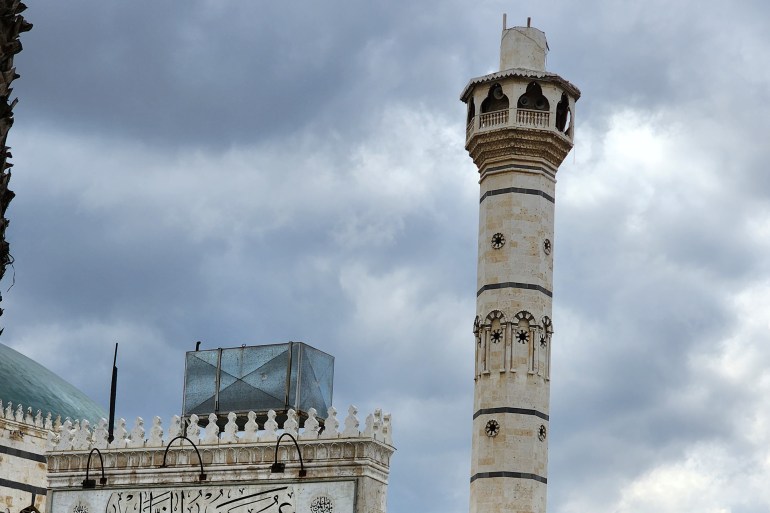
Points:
(91, 483)
(280, 467)
(202, 476)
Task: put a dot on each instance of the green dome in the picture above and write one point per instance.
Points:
(26, 382)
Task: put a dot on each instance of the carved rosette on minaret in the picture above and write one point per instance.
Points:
(520, 128)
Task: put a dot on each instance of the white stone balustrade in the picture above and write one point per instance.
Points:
(524, 118)
(78, 435)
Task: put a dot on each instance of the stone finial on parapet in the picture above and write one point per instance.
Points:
(351, 423)
(81, 438)
(373, 427)
(65, 436)
(101, 435)
(291, 425)
(193, 431)
(52, 440)
(251, 428)
(387, 433)
(311, 425)
(369, 426)
(230, 436)
(332, 425)
(8, 411)
(19, 413)
(120, 435)
(271, 426)
(39, 419)
(175, 429)
(156, 433)
(136, 438)
(211, 433)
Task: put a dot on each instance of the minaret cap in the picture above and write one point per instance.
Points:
(522, 47)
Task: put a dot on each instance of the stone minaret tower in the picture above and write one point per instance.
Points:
(520, 128)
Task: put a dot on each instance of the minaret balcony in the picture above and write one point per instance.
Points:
(513, 118)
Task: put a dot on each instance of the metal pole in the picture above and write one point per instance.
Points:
(113, 391)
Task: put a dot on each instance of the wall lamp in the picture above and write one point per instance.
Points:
(280, 468)
(202, 476)
(91, 483)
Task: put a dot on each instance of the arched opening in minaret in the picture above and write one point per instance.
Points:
(471, 111)
(495, 100)
(563, 115)
(533, 98)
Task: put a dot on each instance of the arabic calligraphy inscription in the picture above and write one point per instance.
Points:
(279, 499)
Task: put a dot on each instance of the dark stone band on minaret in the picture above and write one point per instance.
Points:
(24, 487)
(518, 190)
(514, 285)
(508, 409)
(514, 475)
(19, 453)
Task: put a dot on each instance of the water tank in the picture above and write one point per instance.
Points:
(258, 378)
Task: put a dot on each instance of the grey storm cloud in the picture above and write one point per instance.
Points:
(254, 173)
(217, 74)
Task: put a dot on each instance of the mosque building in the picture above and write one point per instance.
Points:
(208, 459)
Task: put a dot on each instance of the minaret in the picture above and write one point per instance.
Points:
(520, 128)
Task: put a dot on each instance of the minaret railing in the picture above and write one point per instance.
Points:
(525, 118)
(495, 118)
(533, 118)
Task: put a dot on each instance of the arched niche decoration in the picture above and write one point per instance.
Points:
(496, 100)
(523, 338)
(490, 339)
(497, 337)
(563, 115)
(533, 98)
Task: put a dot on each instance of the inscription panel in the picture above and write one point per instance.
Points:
(322, 497)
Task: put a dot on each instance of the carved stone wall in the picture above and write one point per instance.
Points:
(347, 463)
(346, 467)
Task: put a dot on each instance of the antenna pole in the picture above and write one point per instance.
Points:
(113, 390)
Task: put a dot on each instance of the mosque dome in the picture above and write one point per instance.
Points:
(26, 382)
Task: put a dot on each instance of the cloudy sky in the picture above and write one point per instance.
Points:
(258, 172)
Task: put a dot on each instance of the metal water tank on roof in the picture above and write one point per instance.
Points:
(258, 378)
